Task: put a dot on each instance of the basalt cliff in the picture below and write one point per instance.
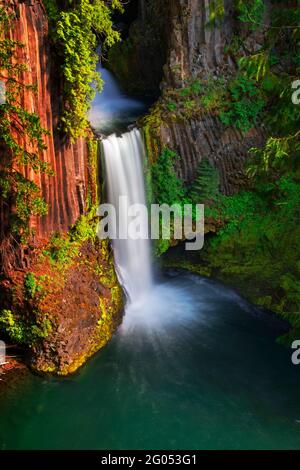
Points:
(59, 294)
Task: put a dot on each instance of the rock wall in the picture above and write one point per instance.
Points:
(226, 148)
(79, 301)
(138, 61)
(66, 191)
(197, 50)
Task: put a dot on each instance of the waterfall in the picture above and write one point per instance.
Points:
(124, 173)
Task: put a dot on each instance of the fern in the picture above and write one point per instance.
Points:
(244, 105)
(206, 185)
(256, 66)
(278, 154)
(251, 11)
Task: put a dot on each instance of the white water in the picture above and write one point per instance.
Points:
(124, 171)
(112, 107)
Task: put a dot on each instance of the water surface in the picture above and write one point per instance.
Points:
(193, 367)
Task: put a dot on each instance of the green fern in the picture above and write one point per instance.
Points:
(206, 185)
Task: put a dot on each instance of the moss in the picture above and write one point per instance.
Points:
(151, 126)
(93, 185)
(110, 314)
(24, 331)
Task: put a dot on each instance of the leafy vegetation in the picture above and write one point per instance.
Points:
(281, 116)
(205, 188)
(244, 105)
(62, 249)
(259, 240)
(167, 187)
(76, 28)
(30, 286)
(251, 12)
(23, 331)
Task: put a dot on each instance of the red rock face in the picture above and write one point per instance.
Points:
(65, 192)
(82, 310)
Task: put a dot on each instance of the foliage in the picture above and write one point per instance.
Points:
(251, 12)
(30, 286)
(76, 28)
(256, 66)
(281, 118)
(245, 104)
(205, 188)
(60, 250)
(248, 11)
(279, 154)
(21, 134)
(167, 187)
(172, 106)
(22, 331)
(189, 101)
(213, 94)
(85, 227)
(259, 240)
(64, 248)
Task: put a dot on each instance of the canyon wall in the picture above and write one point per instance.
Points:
(59, 297)
(66, 191)
(197, 50)
(138, 61)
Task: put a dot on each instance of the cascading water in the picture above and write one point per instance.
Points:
(124, 170)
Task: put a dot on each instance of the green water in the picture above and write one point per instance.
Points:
(193, 368)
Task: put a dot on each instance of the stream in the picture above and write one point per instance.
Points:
(193, 365)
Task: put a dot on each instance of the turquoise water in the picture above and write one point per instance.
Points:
(194, 368)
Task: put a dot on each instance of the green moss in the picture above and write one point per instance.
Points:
(93, 177)
(24, 331)
(161, 246)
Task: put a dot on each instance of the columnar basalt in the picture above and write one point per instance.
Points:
(197, 51)
(59, 295)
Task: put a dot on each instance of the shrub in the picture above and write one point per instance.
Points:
(167, 187)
